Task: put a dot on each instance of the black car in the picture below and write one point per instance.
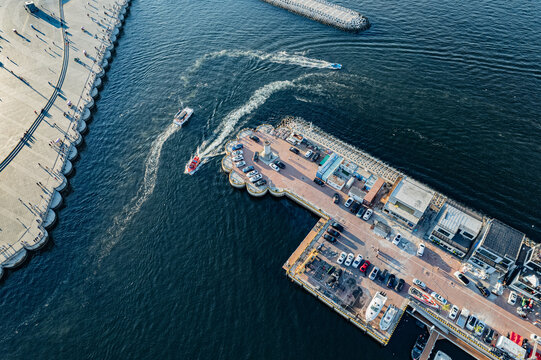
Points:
(256, 156)
(336, 198)
(315, 157)
(337, 226)
(354, 207)
(280, 164)
(329, 238)
(489, 336)
(333, 232)
(383, 275)
(254, 138)
(483, 290)
(463, 278)
(390, 281)
(399, 285)
(319, 182)
(261, 182)
(294, 150)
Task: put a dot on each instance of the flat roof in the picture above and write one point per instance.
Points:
(413, 194)
(503, 240)
(452, 219)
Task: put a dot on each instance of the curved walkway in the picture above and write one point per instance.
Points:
(51, 100)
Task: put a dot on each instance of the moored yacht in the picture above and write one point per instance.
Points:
(388, 317)
(375, 306)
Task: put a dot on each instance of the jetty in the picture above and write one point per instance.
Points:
(326, 13)
(53, 56)
(319, 172)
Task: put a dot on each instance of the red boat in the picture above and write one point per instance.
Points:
(193, 165)
(423, 297)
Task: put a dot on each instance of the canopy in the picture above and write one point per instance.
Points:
(516, 338)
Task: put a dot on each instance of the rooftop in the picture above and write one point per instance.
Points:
(453, 219)
(503, 240)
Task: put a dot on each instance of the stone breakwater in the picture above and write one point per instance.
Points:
(326, 13)
(52, 63)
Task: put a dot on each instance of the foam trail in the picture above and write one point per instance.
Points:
(152, 164)
(259, 97)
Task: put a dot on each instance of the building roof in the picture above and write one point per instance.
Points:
(413, 194)
(453, 219)
(503, 239)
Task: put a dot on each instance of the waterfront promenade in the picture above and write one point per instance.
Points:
(51, 64)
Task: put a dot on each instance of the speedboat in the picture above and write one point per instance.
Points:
(388, 318)
(423, 297)
(419, 347)
(335, 66)
(182, 116)
(375, 306)
(193, 165)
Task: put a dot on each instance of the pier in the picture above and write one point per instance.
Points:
(325, 13)
(313, 263)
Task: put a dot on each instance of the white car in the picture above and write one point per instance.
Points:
(419, 283)
(237, 152)
(241, 164)
(462, 278)
(357, 261)
(421, 249)
(274, 167)
(439, 298)
(341, 258)
(348, 202)
(238, 158)
(253, 173)
(255, 178)
(512, 299)
(349, 259)
(368, 214)
(453, 313)
(396, 239)
(308, 154)
(373, 273)
(472, 322)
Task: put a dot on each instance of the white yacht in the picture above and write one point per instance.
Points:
(388, 317)
(375, 306)
(440, 355)
(182, 116)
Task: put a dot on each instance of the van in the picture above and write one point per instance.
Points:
(421, 249)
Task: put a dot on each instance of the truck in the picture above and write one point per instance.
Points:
(463, 317)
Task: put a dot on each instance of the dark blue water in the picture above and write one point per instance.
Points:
(147, 262)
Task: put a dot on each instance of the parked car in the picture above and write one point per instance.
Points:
(319, 182)
(261, 182)
(315, 157)
(483, 290)
(439, 298)
(274, 167)
(390, 281)
(237, 147)
(361, 212)
(294, 150)
(280, 164)
(253, 173)
(462, 278)
(355, 207)
(237, 152)
(254, 138)
(337, 226)
(241, 164)
(419, 283)
(373, 273)
(336, 198)
(247, 169)
(308, 154)
(342, 257)
(399, 285)
(348, 202)
(255, 178)
(368, 214)
(421, 249)
(364, 266)
(349, 259)
(479, 328)
(512, 299)
(472, 322)
(329, 238)
(453, 313)
(357, 261)
(256, 156)
(238, 158)
(333, 232)
(489, 336)
(397, 239)
(383, 275)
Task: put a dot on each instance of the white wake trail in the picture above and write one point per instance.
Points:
(152, 164)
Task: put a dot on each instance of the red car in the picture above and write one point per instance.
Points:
(364, 266)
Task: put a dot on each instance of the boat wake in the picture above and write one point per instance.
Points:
(121, 221)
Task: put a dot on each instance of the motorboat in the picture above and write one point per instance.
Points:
(375, 306)
(193, 165)
(440, 355)
(419, 347)
(335, 66)
(423, 297)
(182, 116)
(388, 317)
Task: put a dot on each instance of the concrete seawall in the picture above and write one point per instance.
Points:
(51, 65)
(326, 13)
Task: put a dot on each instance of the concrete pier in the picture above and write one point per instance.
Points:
(50, 64)
(326, 13)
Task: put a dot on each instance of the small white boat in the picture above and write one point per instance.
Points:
(440, 355)
(182, 116)
(375, 306)
(388, 317)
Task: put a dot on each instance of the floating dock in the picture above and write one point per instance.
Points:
(349, 291)
(326, 13)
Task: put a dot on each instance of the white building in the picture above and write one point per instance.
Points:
(408, 202)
